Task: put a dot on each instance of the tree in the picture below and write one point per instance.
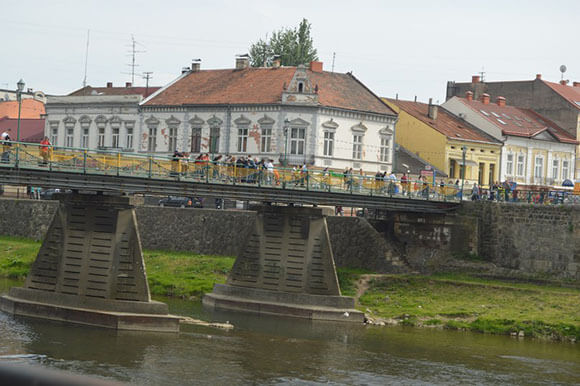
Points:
(292, 46)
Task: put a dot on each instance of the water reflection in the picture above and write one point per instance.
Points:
(280, 351)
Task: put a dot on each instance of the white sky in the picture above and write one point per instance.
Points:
(405, 47)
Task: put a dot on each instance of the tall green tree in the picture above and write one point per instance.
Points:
(293, 46)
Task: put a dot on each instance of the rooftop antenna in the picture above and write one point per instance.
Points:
(482, 73)
(333, 57)
(86, 58)
(563, 70)
(133, 52)
(147, 76)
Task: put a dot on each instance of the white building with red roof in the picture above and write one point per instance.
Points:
(536, 151)
(294, 114)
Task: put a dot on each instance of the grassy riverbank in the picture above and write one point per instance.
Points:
(443, 301)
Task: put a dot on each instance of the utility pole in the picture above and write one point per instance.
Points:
(147, 76)
(333, 57)
(464, 149)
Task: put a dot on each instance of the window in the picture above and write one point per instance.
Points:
(384, 149)
(115, 142)
(214, 140)
(452, 168)
(555, 169)
(101, 137)
(328, 143)
(539, 170)
(300, 87)
(297, 140)
(152, 139)
(242, 139)
(54, 136)
(196, 139)
(266, 140)
(357, 146)
(521, 161)
(509, 167)
(70, 136)
(565, 169)
(172, 138)
(85, 138)
(129, 138)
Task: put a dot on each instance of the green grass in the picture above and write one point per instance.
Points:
(169, 273)
(347, 278)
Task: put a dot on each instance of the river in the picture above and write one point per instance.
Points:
(276, 351)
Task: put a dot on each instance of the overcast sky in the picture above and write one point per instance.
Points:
(406, 47)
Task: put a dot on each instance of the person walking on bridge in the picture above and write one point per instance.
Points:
(6, 144)
(45, 150)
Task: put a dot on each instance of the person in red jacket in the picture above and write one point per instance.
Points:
(45, 150)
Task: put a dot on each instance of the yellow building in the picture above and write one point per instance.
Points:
(440, 138)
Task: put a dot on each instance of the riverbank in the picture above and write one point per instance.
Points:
(459, 302)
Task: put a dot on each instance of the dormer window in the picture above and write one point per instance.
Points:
(300, 87)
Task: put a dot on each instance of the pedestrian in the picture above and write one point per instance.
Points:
(45, 150)
(475, 193)
(6, 144)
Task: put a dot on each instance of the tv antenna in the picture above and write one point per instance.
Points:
(482, 73)
(147, 76)
(563, 70)
(133, 53)
(333, 57)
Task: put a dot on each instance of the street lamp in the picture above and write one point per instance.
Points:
(20, 86)
(286, 122)
(464, 149)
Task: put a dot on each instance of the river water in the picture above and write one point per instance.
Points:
(279, 351)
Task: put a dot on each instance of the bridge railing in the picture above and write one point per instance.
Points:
(110, 162)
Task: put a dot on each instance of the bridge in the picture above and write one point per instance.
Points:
(90, 268)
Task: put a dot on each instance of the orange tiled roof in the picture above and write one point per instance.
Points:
(88, 90)
(446, 123)
(31, 109)
(518, 121)
(265, 86)
(570, 93)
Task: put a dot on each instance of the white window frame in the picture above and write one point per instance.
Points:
(297, 140)
(129, 138)
(539, 167)
(152, 139)
(556, 169)
(85, 138)
(384, 149)
(101, 136)
(214, 139)
(243, 139)
(521, 165)
(328, 150)
(70, 136)
(357, 145)
(509, 164)
(172, 144)
(565, 169)
(115, 137)
(266, 139)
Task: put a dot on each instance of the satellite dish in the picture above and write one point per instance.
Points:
(563, 69)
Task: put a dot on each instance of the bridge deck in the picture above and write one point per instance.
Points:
(116, 172)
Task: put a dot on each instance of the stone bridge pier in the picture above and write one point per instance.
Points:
(90, 270)
(286, 268)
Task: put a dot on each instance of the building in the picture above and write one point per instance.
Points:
(559, 102)
(535, 150)
(438, 137)
(30, 109)
(12, 95)
(96, 117)
(292, 115)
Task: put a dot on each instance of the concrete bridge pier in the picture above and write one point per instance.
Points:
(90, 270)
(286, 268)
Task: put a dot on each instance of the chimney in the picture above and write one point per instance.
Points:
(500, 101)
(109, 84)
(316, 66)
(475, 79)
(469, 96)
(538, 76)
(242, 62)
(432, 110)
(128, 84)
(485, 99)
(184, 70)
(196, 65)
(576, 84)
(276, 62)
(563, 82)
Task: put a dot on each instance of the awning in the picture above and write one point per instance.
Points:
(467, 162)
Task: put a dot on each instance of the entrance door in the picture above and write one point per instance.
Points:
(491, 173)
(480, 174)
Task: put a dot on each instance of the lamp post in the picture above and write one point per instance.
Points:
(464, 149)
(286, 122)
(20, 86)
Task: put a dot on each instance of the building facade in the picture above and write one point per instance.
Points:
(439, 137)
(535, 151)
(293, 115)
(559, 102)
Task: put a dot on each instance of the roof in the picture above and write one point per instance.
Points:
(409, 162)
(88, 90)
(517, 121)
(31, 130)
(570, 93)
(31, 108)
(446, 123)
(265, 86)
